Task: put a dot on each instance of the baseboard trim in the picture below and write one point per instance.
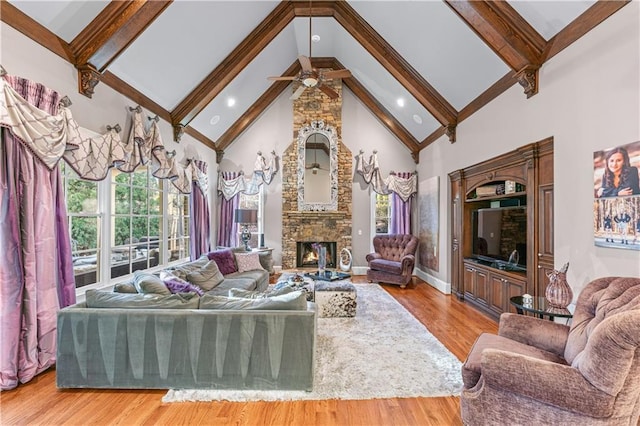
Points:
(434, 282)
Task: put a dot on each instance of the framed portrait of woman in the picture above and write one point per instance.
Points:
(616, 189)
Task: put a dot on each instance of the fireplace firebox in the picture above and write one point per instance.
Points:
(307, 257)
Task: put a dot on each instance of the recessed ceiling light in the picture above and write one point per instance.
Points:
(417, 118)
(315, 38)
(400, 102)
(214, 120)
(231, 102)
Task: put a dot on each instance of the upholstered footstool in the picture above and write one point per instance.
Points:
(335, 299)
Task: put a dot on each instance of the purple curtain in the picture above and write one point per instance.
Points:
(200, 219)
(36, 272)
(227, 227)
(400, 211)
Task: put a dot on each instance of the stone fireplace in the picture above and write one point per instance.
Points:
(316, 226)
(307, 257)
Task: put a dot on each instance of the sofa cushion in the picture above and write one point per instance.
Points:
(206, 277)
(386, 266)
(240, 282)
(225, 260)
(178, 285)
(254, 294)
(248, 262)
(182, 270)
(125, 288)
(296, 300)
(107, 299)
(472, 368)
(149, 283)
(250, 280)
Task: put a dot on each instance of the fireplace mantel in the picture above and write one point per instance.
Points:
(313, 214)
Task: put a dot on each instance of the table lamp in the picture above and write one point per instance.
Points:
(246, 217)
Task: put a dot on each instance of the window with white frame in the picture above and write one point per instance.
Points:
(252, 202)
(132, 221)
(136, 221)
(178, 223)
(84, 222)
(382, 213)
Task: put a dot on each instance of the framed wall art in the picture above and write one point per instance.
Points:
(616, 190)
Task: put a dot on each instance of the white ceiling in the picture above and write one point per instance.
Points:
(191, 38)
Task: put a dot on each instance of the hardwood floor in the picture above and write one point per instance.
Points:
(455, 324)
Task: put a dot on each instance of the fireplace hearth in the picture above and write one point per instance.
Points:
(307, 257)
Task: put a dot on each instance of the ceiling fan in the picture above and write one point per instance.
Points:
(309, 77)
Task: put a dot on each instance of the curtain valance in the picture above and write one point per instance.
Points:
(399, 184)
(89, 154)
(263, 172)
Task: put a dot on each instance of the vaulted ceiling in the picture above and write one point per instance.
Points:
(421, 67)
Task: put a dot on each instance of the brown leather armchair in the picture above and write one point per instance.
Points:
(393, 259)
(541, 372)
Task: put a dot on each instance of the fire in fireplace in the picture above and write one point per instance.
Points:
(306, 256)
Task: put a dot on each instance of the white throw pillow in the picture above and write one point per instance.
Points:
(248, 262)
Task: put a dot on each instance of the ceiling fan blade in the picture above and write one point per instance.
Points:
(328, 91)
(282, 78)
(305, 62)
(337, 74)
(298, 92)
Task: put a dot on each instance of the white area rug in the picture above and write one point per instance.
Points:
(383, 352)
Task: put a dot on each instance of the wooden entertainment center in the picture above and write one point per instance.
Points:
(502, 227)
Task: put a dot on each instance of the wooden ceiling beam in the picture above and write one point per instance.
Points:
(258, 107)
(393, 62)
(108, 35)
(508, 34)
(584, 23)
(113, 30)
(233, 64)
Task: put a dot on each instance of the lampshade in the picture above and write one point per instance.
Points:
(246, 216)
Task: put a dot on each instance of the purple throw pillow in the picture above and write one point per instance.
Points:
(225, 260)
(176, 285)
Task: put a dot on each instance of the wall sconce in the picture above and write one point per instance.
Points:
(246, 217)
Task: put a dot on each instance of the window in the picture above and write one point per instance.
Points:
(382, 213)
(178, 223)
(84, 226)
(253, 202)
(136, 240)
(130, 222)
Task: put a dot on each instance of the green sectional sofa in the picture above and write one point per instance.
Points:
(227, 337)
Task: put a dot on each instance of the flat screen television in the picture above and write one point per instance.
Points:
(500, 234)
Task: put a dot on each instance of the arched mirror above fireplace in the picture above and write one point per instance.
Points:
(317, 168)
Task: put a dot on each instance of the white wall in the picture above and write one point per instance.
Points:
(588, 100)
(22, 57)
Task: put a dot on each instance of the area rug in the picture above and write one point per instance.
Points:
(382, 352)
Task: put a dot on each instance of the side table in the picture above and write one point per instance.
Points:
(540, 307)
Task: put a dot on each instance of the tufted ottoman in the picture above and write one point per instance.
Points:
(335, 299)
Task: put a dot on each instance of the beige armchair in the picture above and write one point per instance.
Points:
(541, 372)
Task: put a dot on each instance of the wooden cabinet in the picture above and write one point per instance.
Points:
(522, 178)
(456, 231)
(490, 288)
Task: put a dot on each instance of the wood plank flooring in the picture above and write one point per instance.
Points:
(455, 324)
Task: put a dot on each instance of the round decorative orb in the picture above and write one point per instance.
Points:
(345, 259)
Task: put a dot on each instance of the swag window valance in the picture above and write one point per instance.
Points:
(263, 172)
(399, 184)
(89, 154)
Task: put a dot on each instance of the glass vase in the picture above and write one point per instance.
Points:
(558, 292)
(322, 260)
